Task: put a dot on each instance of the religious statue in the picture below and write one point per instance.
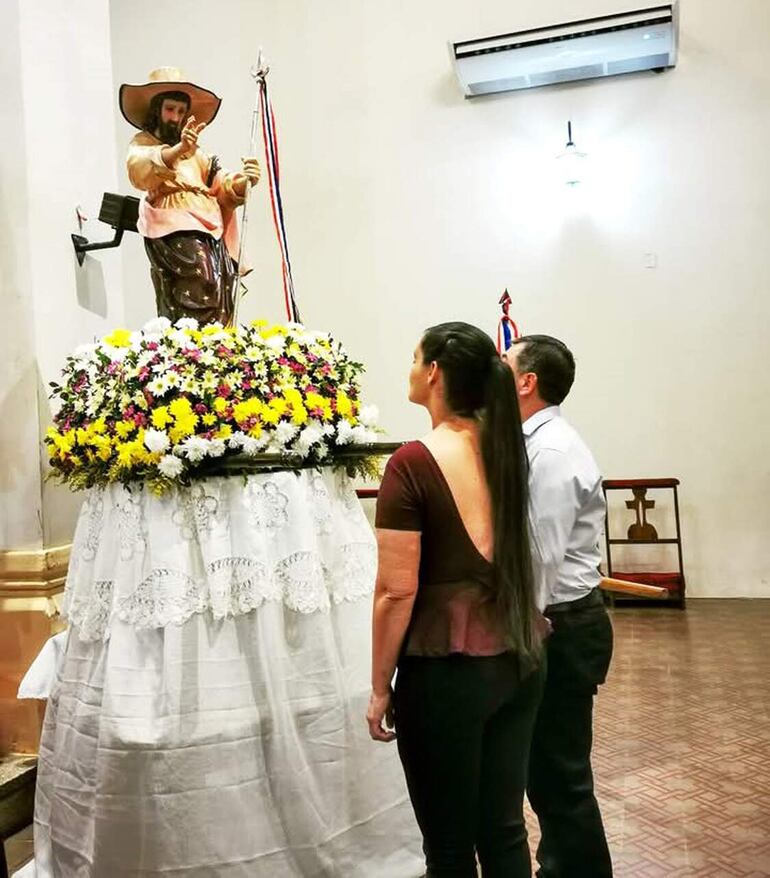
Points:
(187, 214)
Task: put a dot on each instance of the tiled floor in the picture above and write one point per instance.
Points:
(682, 749)
(682, 752)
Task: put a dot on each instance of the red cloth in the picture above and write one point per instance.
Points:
(454, 611)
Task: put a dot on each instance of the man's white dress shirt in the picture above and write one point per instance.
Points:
(566, 508)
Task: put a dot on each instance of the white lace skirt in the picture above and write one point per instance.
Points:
(222, 742)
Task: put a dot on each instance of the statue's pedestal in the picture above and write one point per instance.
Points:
(208, 716)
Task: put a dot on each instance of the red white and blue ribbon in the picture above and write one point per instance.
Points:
(507, 331)
(270, 138)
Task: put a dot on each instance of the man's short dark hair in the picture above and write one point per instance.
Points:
(551, 360)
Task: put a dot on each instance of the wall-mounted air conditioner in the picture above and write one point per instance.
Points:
(626, 42)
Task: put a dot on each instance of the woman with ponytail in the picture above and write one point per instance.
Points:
(454, 610)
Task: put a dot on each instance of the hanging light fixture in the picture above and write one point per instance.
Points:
(571, 161)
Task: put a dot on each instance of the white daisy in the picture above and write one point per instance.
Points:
(252, 446)
(284, 433)
(170, 466)
(195, 448)
(369, 415)
(362, 436)
(158, 386)
(157, 325)
(216, 447)
(156, 440)
(308, 437)
(344, 433)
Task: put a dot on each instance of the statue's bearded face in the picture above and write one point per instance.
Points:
(172, 116)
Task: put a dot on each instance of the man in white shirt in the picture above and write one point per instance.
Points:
(567, 511)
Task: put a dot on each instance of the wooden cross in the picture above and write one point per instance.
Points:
(641, 529)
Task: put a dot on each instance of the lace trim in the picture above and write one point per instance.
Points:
(90, 614)
(230, 587)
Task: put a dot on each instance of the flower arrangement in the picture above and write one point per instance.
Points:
(167, 403)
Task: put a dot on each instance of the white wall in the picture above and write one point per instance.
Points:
(20, 485)
(58, 150)
(407, 205)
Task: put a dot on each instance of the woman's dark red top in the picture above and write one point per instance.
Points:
(455, 610)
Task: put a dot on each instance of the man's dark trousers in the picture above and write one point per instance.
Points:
(561, 788)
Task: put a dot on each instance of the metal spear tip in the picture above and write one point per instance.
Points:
(505, 299)
(260, 68)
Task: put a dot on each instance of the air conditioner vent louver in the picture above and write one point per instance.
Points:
(567, 74)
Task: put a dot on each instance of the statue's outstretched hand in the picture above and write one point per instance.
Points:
(189, 137)
(251, 170)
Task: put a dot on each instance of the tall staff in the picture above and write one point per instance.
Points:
(263, 110)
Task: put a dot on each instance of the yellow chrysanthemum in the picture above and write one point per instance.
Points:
(181, 407)
(209, 420)
(129, 453)
(292, 396)
(316, 401)
(223, 432)
(64, 441)
(125, 428)
(118, 338)
(299, 415)
(183, 427)
(161, 417)
(220, 404)
(103, 447)
(344, 405)
(249, 408)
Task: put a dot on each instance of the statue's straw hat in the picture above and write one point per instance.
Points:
(135, 99)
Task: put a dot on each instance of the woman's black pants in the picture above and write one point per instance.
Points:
(464, 727)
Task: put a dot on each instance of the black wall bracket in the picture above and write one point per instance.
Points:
(119, 211)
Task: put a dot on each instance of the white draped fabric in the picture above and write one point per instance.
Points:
(208, 716)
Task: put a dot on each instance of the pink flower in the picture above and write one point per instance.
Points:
(224, 390)
(152, 345)
(140, 419)
(200, 409)
(192, 354)
(144, 373)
